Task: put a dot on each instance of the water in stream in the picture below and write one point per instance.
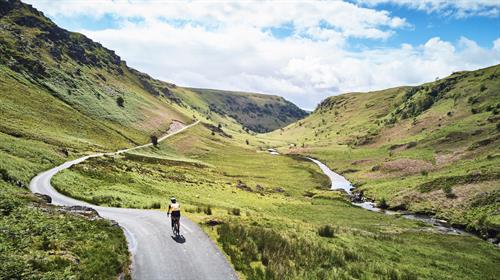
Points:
(338, 182)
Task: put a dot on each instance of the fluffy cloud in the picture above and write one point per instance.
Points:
(233, 46)
(457, 8)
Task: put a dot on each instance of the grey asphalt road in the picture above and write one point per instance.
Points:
(156, 253)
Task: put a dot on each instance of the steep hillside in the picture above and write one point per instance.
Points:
(432, 148)
(257, 112)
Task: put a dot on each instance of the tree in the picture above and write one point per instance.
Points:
(120, 101)
(154, 140)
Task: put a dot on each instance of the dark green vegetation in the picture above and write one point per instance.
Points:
(431, 149)
(257, 112)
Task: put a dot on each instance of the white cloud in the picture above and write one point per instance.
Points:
(347, 18)
(457, 8)
(229, 46)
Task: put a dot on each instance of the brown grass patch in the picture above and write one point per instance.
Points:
(406, 166)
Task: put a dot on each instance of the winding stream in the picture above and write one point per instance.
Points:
(338, 182)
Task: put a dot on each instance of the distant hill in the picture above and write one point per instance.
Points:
(258, 112)
(432, 148)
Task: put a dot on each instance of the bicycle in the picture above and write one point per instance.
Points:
(176, 225)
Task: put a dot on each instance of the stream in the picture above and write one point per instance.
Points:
(338, 182)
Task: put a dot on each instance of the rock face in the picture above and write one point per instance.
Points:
(82, 211)
(44, 197)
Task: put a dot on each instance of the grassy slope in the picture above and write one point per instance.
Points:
(431, 149)
(38, 241)
(272, 234)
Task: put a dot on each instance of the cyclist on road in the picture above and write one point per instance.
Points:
(175, 209)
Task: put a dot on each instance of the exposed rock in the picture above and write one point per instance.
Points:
(44, 197)
(357, 197)
(259, 188)
(217, 130)
(82, 210)
(279, 190)
(114, 223)
(242, 186)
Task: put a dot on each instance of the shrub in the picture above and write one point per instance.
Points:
(382, 204)
(424, 172)
(326, 231)
(235, 211)
(155, 205)
(448, 190)
(154, 140)
(120, 101)
(207, 210)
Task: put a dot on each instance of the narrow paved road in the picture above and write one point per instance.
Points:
(156, 254)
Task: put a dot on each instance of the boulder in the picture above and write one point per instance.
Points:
(44, 197)
(279, 190)
(82, 210)
(242, 186)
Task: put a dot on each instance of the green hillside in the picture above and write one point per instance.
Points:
(431, 149)
(257, 112)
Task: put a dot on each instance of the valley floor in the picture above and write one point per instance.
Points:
(273, 215)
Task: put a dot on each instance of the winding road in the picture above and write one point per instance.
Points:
(156, 254)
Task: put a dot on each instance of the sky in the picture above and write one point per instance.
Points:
(304, 51)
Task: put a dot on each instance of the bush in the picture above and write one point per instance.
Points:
(120, 101)
(154, 140)
(448, 190)
(207, 210)
(326, 231)
(475, 111)
(155, 205)
(235, 211)
(382, 204)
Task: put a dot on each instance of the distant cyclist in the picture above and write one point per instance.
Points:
(175, 209)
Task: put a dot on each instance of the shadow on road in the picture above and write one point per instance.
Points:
(179, 239)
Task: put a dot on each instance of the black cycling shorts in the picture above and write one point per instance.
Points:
(176, 214)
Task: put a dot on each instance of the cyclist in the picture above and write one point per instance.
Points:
(175, 209)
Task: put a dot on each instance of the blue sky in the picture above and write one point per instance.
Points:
(304, 51)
